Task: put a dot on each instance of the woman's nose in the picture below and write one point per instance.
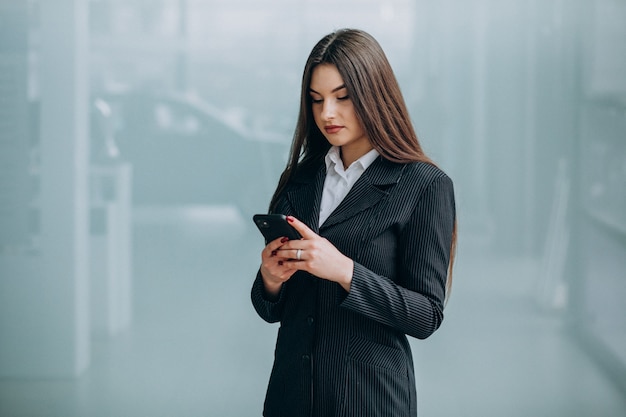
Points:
(328, 111)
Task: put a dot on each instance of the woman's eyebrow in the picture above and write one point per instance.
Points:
(334, 89)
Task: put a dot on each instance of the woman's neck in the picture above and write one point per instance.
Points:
(349, 154)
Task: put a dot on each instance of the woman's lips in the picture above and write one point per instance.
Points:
(332, 129)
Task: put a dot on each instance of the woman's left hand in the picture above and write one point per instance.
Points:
(316, 255)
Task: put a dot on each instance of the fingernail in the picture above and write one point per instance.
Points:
(290, 219)
(274, 253)
(280, 263)
(283, 240)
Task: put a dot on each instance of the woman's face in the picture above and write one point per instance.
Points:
(334, 113)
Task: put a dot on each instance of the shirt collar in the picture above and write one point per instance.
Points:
(333, 158)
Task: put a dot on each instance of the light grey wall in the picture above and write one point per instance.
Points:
(138, 137)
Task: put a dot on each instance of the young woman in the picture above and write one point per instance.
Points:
(377, 220)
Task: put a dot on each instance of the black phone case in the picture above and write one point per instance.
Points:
(273, 226)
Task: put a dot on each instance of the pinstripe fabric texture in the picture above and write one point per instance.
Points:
(347, 354)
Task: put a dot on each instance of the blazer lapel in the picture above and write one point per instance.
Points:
(369, 189)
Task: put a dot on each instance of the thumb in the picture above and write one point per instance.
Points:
(302, 228)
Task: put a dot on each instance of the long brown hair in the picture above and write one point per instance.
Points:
(378, 103)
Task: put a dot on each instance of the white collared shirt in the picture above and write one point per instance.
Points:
(339, 180)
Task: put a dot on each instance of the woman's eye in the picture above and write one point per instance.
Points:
(316, 100)
(343, 98)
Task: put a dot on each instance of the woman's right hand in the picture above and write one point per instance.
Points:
(273, 271)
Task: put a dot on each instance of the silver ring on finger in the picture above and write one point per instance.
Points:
(298, 254)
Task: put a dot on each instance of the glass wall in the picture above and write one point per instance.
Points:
(138, 138)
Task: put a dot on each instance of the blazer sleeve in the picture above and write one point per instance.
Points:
(413, 302)
(268, 310)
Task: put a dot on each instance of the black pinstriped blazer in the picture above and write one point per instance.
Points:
(347, 354)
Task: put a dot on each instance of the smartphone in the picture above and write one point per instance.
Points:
(273, 226)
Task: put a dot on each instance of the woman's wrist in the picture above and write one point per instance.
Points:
(346, 279)
(272, 289)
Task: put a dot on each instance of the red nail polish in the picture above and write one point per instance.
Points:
(290, 219)
(283, 240)
(280, 263)
(274, 253)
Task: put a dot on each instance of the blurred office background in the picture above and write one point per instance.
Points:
(137, 138)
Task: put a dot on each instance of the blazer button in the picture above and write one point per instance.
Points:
(310, 320)
(306, 358)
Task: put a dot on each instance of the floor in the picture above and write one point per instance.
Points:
(196, 347)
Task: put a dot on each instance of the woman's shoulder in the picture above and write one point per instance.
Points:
(425, 173)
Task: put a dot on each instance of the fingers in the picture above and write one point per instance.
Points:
(283, 247)
(296, 250)
(302, 228)
(273, 261)
(280, 256)
(290, 254)
(272, 247)
(275, 266)
(275, 274)
(313, 254)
